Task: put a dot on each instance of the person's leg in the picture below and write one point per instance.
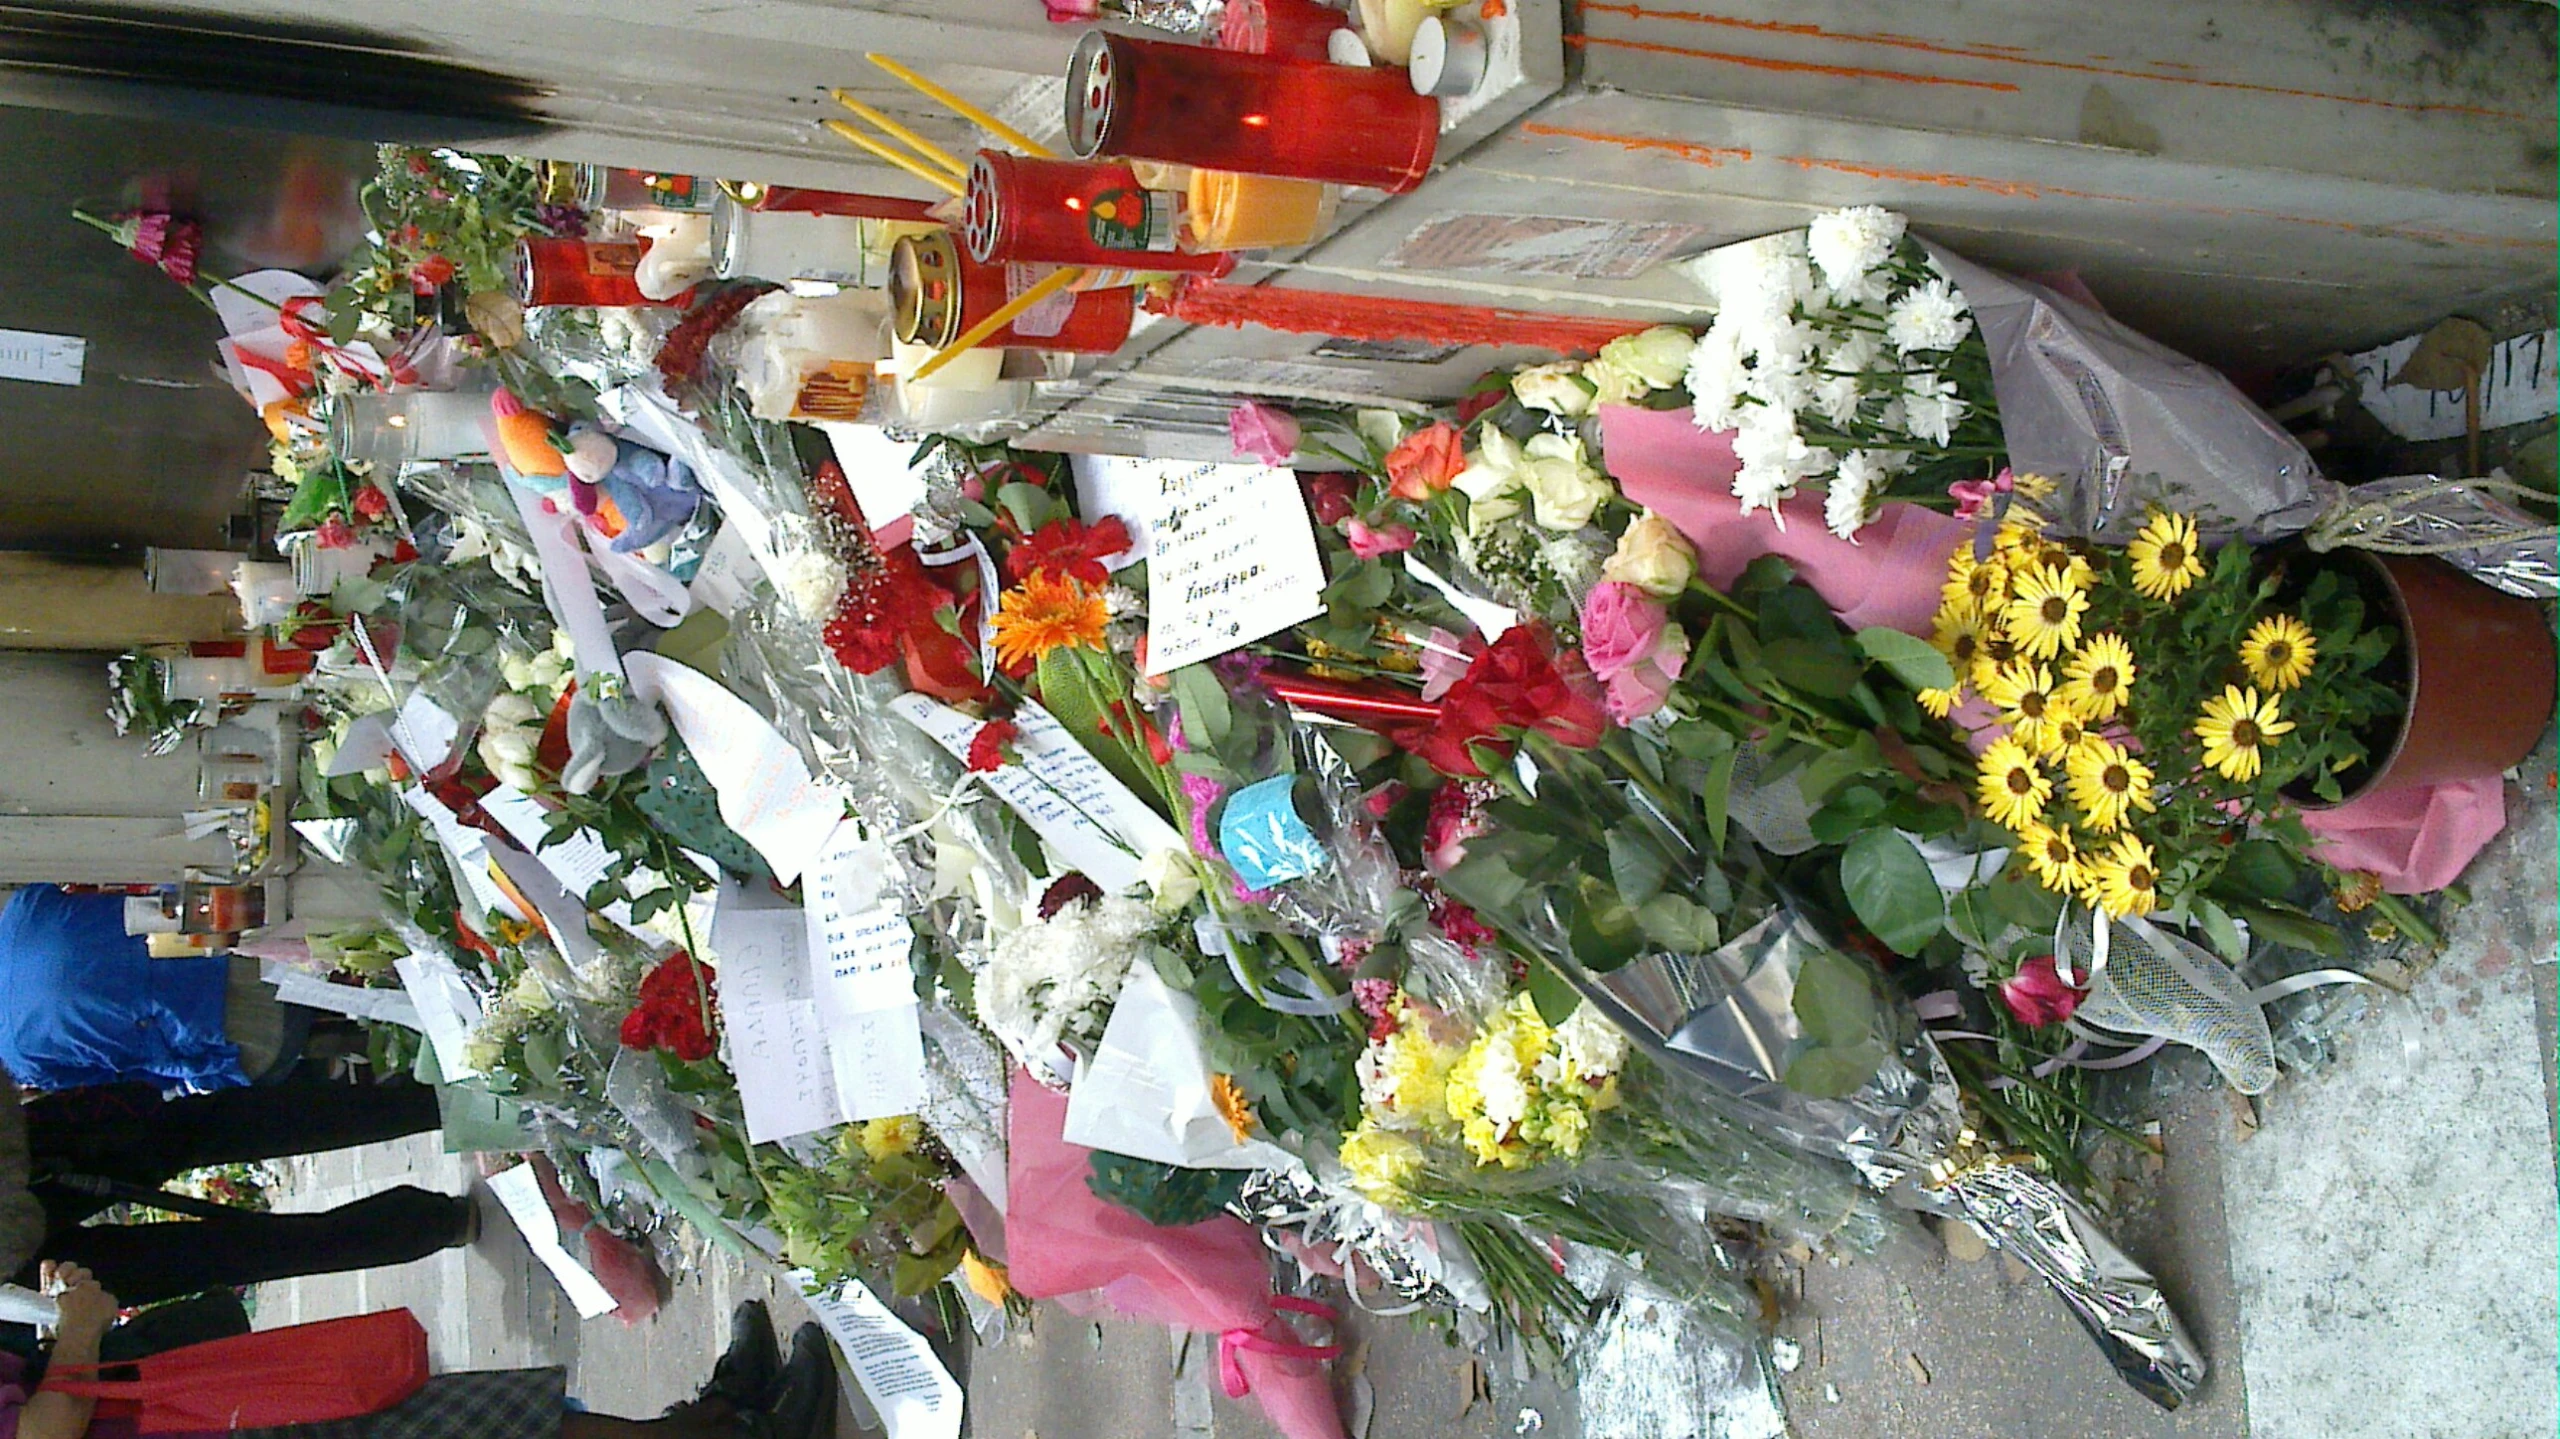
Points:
(126, 1132)
(145, 1263)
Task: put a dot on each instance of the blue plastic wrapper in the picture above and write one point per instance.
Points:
(1262, 836)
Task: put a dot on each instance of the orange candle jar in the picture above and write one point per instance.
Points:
(1229, 211)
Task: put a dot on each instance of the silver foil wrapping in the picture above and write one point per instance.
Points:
(1197, 18)
(1336, 1221)
(2465, 521)
(2123, 423)
(1728, 1018)
(1649, 1364)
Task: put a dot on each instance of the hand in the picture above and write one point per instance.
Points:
(87, 1308)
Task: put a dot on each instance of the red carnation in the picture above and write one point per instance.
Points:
(1069, 547)
(677, 1011)
(370, 503)
(430, 273)
(986, 748)
(1516, 684)
(883, 601)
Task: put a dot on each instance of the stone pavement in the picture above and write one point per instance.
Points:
(2367, 1253)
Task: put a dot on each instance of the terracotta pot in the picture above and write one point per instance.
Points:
(2481, 671)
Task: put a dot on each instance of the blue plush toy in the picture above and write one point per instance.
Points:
(653, 493)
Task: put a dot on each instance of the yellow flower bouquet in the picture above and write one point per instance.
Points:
(2156, 705)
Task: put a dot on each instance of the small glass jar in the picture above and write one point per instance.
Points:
(937, 294)
(1292, 29)
(786, 245)
(1258, 114)
(394, 428)
(603, 187)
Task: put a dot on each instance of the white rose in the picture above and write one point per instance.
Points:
(1491, 481)
(1562, 483)
(1383, 429)
(1558, 389)
(1633, 366)
(1171, 877)
(1654, 557)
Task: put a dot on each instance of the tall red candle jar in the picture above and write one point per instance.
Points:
(1075, 212)
(1293, 29)
(580, 272)
(1259, 114)
(937, 294)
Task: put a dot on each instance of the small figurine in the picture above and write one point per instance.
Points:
(632, 495)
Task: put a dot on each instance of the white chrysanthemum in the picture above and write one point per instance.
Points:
(1835, 398)
(1587, 1048)
(1757, 284)
(1931, 408)
(810, 580)
(1928, 317)
(1059, 976)
(1857, 352)
(1850, 245)
(1715, 378)
(1861, 477)
(1774, 459)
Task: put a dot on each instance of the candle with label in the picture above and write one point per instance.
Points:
(549, 271)
(1075, 212)
(937, 293)
(1259, 114)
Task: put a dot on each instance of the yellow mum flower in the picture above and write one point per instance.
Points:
(1381, 1163)
(890, 1136)
(2236, 728)
(2043, 613)
(2054, 855)
(2106, 783)
(2013, 788)
(1940, 703)
(2165, 557)
(2279, 652)
(2025, 695)
(2124, 880)
(1957, 632)
(1981, 586)
(2098, 677)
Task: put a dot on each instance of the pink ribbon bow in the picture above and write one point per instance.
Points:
(1238, 1341)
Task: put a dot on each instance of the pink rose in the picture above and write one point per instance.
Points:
(1633, 648)
(335, 534)
(1371, 541)
(2037, 995)
(1263, 432)
(1972, 497)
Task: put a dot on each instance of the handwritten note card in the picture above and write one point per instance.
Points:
(521, 1192)
(858, 941)
(777, 1043)
(579, 862)
(1088, 818)
(766, 791)
(911, 1391)
(1233, 559)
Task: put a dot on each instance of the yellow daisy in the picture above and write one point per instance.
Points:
(2165, 558)
(2235, 728)
(2064, 731)
(2043, 613)
(1940, 703)
(2011, 785)
(2032, 487)
(1998, 653)
(2024, 693)
(1979, 585)
(2124, 880)
(2098, 676)
(2106, 783)
(1957, 632)
(2055, 857)
(2279, 652)
(2019, 536)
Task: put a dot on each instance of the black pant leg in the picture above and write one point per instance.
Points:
(142, 1139)
(146, 1263)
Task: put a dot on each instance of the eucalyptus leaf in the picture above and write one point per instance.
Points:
(1913, 660)
(1891, 890)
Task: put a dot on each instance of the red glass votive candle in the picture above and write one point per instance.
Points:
(1292, 29)
(580, 272)
(1260, 114)
(802, 200)
(937, 294)
(1075, 212)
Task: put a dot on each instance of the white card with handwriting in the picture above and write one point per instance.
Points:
(1089, 819)
(1232, 558)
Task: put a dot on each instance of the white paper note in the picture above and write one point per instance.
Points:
(727, 576)
(1233, 558)
(45, 359)
(1078, 809)
(877, 1060)
(876, 470)
(766, 791)
(911, 1391)
(424, 733)
(297, 986)
(776, 1043)
(447, 1009)
(579, 861)
(1118, 485)
(520, 1190)
(858, 939)
(467, 848)
(568, 587)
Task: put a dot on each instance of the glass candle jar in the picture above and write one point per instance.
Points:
(602, 187)
(1074, 212)
(784, 245)
(1293, 29)
(393, 429)
(1259, 114)
(580, 272)
(1229, 211)
(937, 294)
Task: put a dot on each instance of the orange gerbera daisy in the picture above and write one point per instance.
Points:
(1048, 612)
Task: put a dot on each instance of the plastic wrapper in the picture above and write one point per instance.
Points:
(1651, 1364)
(2124, 423)
(1734, 1019)
(1411, 1262)
(2465, 521)
(1297, 833)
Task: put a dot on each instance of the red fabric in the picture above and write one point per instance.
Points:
(1062, 1241)
(307, 1374)
(2417, 839)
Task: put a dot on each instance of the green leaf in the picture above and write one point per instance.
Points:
(1832, 768)
(1824, 668)
(1030, 505)
(1833, 1073)
(1716, 795)
(1363, 585)
(1680, 925)
(1207, 714)
(1555, 997)
(1638, 866)
(1890, 889)
(1835, 1000)
(1602, 931)
(1852, 810)
(2257, 869)
(1484, 882)
(2224, 934)
(2292, 928)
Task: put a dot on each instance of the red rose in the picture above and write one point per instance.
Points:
(335, 534)
(1516, 684)
(1481, 401)
(1424, 464)
(2036, 994)
(1069, 547)
(1329, 497)
(370, 503)
(987, 746)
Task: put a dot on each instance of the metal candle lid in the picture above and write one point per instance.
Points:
(728, 237)
(1449, 58)
(1092, 80)
(983, 211)
(924, 289)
